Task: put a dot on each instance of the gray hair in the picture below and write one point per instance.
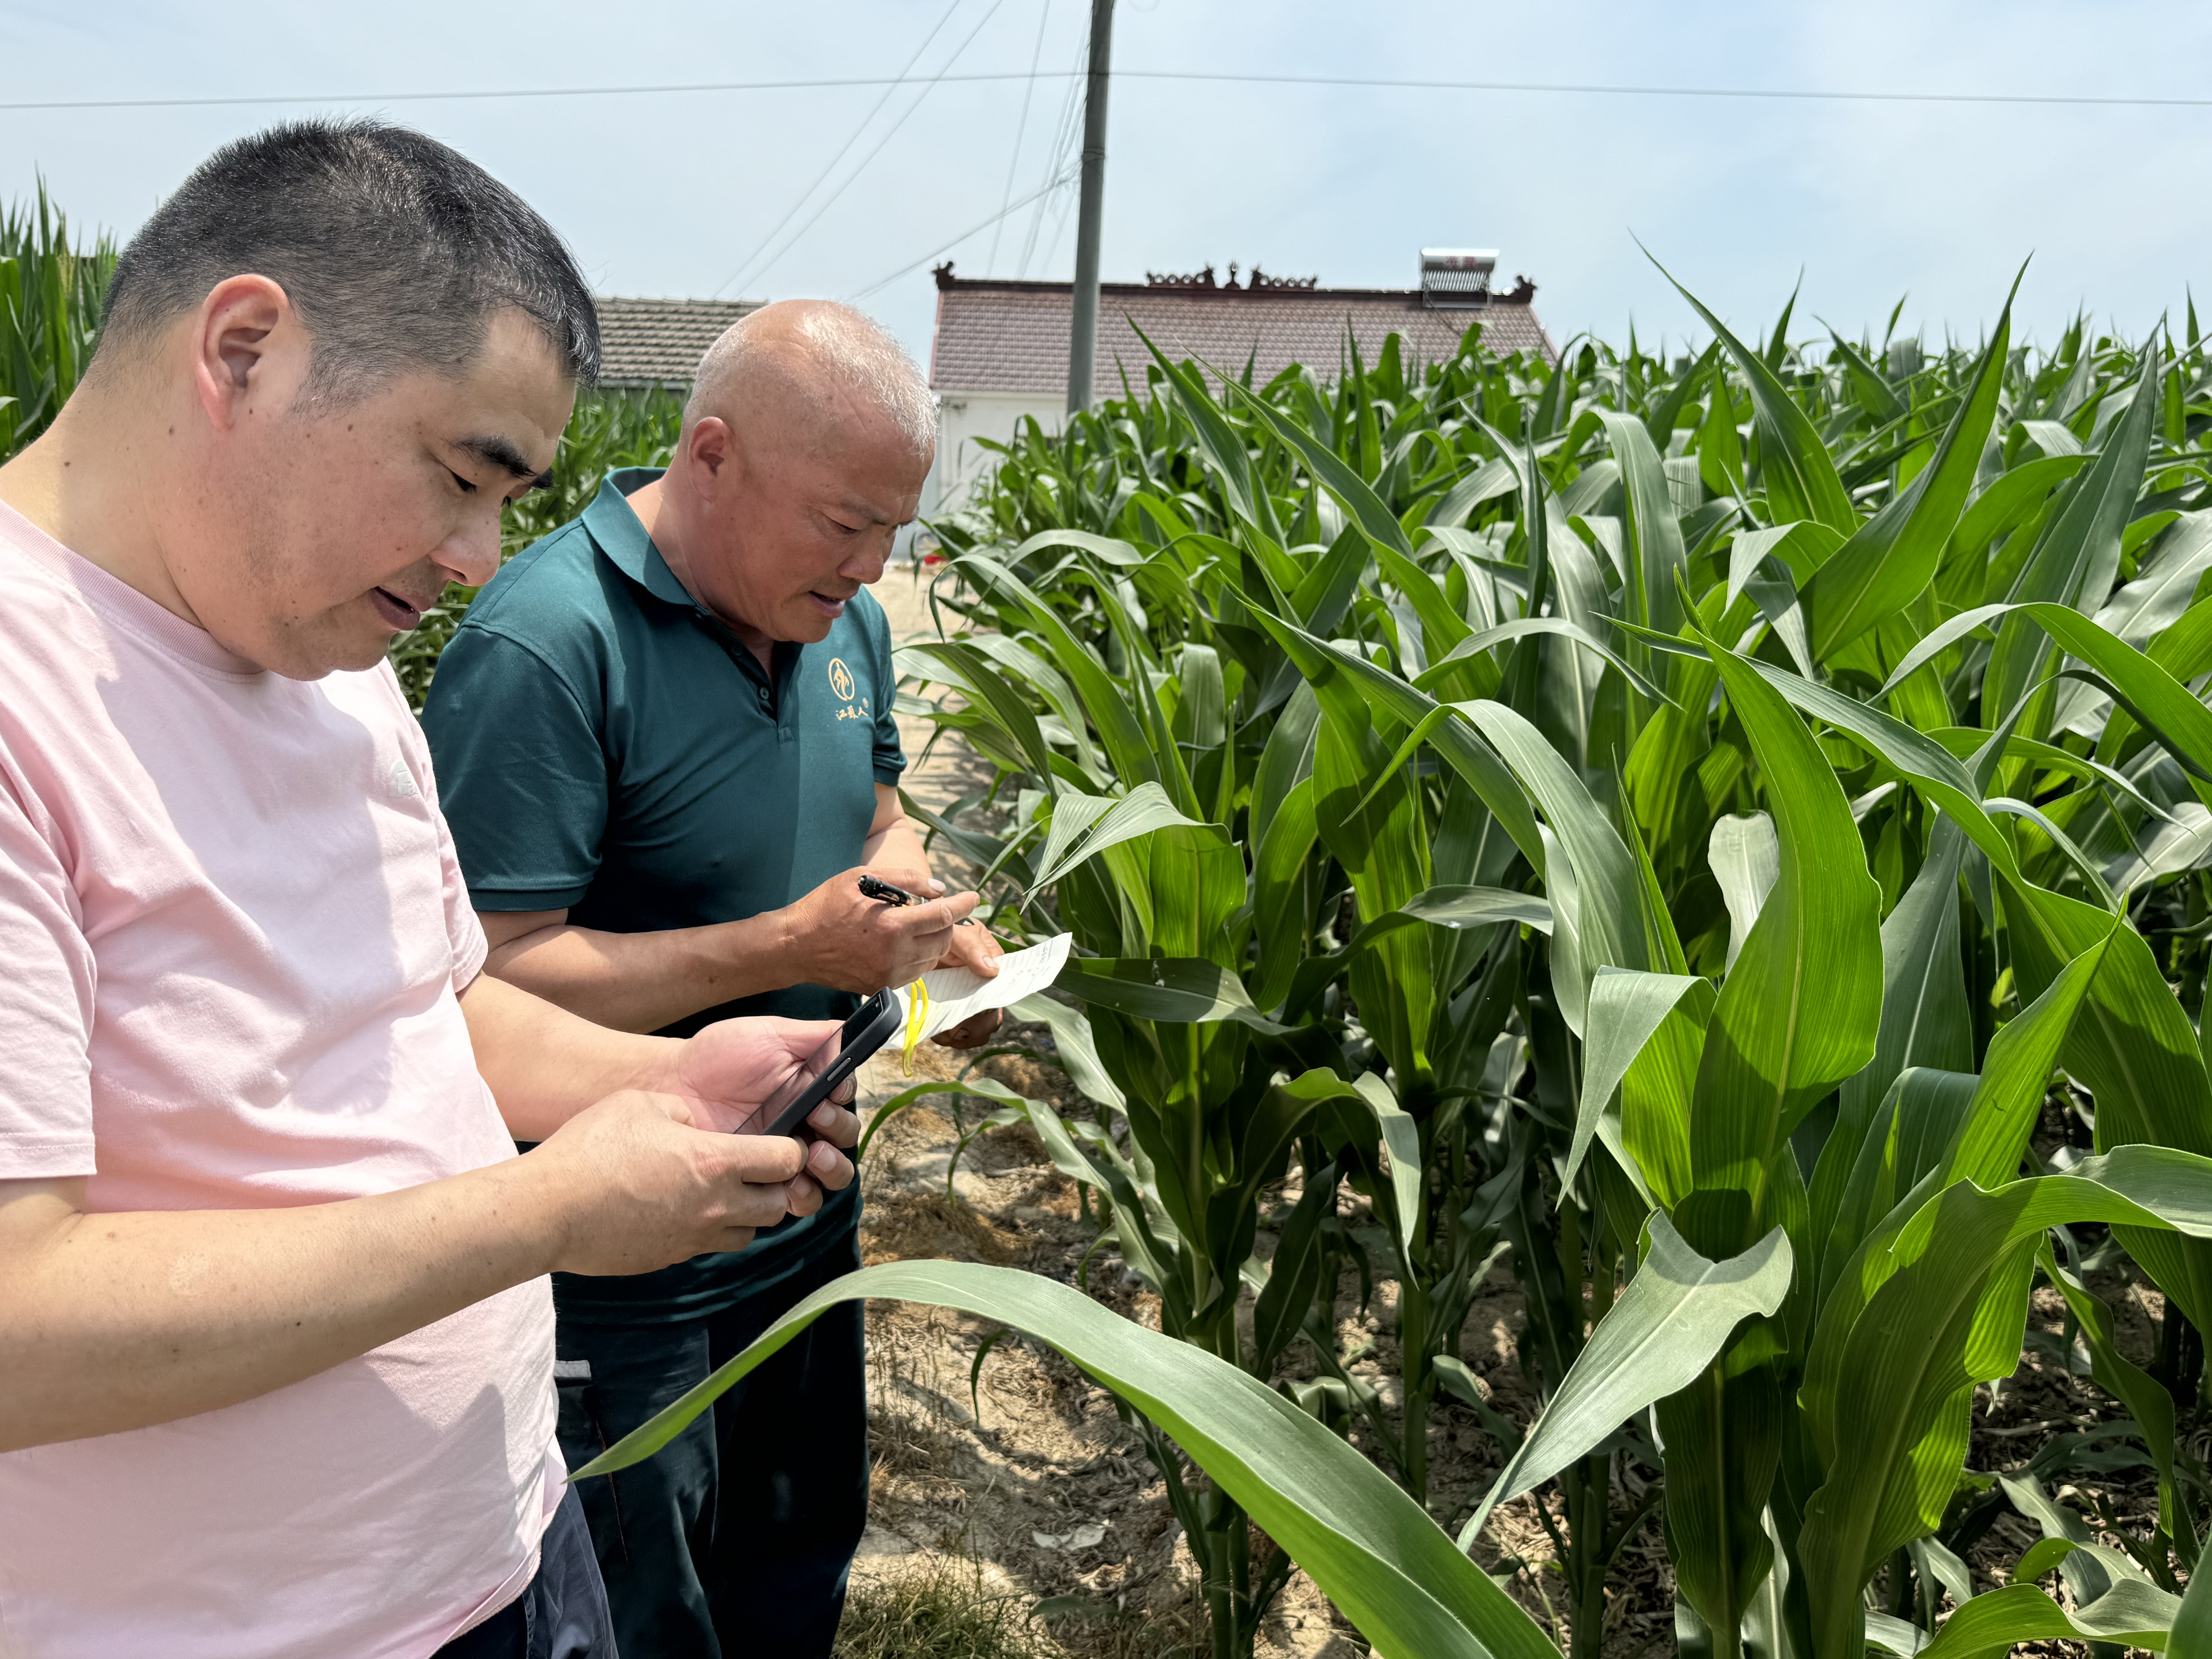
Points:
(395, 250)
(850, 347)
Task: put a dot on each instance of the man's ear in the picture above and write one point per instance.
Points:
(712, 449)
(244, 336)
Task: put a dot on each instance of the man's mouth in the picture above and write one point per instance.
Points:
(405, 615)
(832, 604)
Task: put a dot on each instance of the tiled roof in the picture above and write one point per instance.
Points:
(1013, 337)
(660, 342)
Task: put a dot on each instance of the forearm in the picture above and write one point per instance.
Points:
(896, 846)
(642, 981)
(544, 1064)
(115, 1321)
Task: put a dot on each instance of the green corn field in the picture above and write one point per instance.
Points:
(1724, 836)
(1723, 840)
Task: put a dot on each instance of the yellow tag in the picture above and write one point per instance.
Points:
(917, 1012)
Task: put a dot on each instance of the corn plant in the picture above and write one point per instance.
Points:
(1673, 827)
(1821, 584)
(51, 294)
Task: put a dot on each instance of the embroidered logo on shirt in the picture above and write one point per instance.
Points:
(842, 687)
(399, 782)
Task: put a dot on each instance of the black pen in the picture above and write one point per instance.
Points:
(884, 893)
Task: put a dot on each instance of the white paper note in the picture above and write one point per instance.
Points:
(957, 994)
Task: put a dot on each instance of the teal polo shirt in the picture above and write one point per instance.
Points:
(606, 747)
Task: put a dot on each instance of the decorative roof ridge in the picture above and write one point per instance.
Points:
(1523, 292)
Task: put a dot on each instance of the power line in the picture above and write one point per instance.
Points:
(1049, 185)
(1615, 89)
(1590, 88)
(815, 84)
(875, 109)
(1021, 126)
(799, 234)
(1065, 136)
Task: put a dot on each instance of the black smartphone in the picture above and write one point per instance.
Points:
(868, 1029)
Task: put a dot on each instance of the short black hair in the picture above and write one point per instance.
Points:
(396, 250)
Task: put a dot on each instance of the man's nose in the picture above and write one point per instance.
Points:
(472, 554)
(866, 564)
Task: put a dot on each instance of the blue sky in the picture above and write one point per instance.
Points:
(669, 194)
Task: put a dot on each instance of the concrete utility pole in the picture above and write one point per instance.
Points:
(1083, 333)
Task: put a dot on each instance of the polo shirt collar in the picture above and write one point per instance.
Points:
(618, 535)
(622, 541)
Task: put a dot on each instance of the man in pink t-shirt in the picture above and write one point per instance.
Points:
(275, 1341)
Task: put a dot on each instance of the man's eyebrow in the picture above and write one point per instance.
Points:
(861, 508)
(499, 452)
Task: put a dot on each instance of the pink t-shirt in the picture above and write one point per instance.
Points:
(232, 929)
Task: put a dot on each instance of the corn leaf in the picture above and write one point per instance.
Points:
(1085, 825)
(1745, 860)
(1801, 478)
(2144, 1395)
(1337, 478)
(1073, 1045)
(1897, 1341)
(1657, 556)
(1924, 1023)
(1677, 1314)
(1892, 556)
(1626, 1008)
(2075, 562)
(2130, 1613)
(1336, 672)
(1182, 991)
(1369, 1546)
(1800, 1010)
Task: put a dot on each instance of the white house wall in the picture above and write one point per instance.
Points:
(963, 416)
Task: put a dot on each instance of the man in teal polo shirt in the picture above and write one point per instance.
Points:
(665, 743)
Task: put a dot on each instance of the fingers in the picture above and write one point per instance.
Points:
(641, 1179)
(829, 1166)
(973, 949)
(938, 915)
(777, 1180)
(927, 934)
(834, 1124)
(920, 883)
(757, 1208)
(801, 1195)
(970, 1033)
(759, 1160)
(799, 1038)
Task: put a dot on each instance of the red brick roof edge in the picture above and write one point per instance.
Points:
(996, 335)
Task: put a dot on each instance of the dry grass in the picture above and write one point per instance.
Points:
(955, 1608)
(945, 1610)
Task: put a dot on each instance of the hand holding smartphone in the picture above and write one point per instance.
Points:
(826, 1070)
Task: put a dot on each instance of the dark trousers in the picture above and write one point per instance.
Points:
(561, 1615)
(735, 1540)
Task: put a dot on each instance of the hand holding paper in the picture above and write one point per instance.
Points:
(953, 995)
